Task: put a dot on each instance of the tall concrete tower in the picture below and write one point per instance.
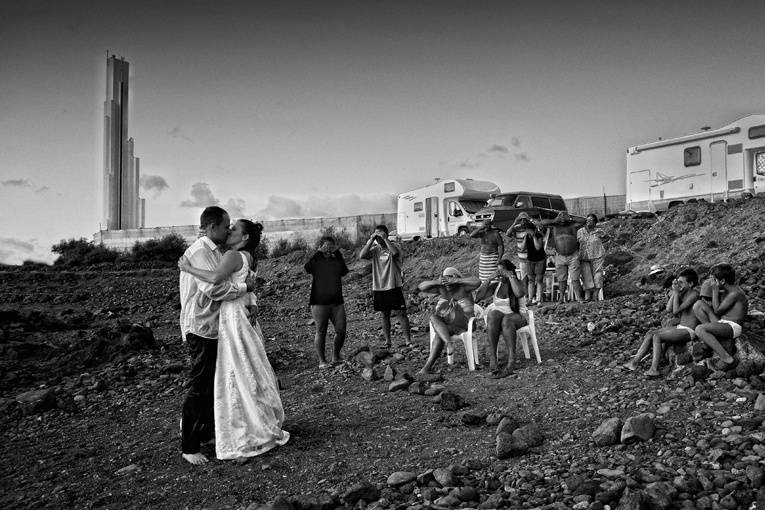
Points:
(123, 208)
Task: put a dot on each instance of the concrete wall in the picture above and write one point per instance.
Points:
(307, 228)
(582, 206)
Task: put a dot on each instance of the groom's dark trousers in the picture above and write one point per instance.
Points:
(198, 418)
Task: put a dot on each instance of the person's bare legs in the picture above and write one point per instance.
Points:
(660, 338)
(442, 335)
(386, 326)
(195, 458)
(494, 328)
(703, 312)
(510, 324)
(403, 321)
(540, 286)
(577, 285)
(642, 350)
(337, 316)
(321, 314)
(709, 334)
(562, 286)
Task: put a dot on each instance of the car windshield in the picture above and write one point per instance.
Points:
(472, 206)
(503, 200)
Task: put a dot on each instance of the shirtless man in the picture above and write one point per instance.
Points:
(563, 231)
(452, 311)
(492, 249)
(681, 302)
(721, 321)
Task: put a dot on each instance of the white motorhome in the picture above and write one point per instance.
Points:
(441, 209)
(713, 164)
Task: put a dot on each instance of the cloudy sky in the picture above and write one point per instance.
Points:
(310, 108)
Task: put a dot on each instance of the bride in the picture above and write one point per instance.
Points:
(247, 406)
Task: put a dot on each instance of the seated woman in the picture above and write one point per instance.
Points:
(504, 315)
(452, 311)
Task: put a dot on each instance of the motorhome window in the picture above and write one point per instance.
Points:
(558, 204)
(417, 206)
(757, 131)
(692, 156)
(760, 158)
(506, 200)
(448, 187)
(454, 209)
(543, 202)
(472, 206)
(522, 202)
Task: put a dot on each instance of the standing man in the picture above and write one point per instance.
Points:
(492, 249)
(200, 311)
(562, 234)
(387, 280)
(327, 267)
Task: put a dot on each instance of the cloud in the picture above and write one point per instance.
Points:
(154, 183)
(467, 164)
(177, 132)
(16, 251)
(18, 183)
(279, 207)
(521, 156)
(515, 142)
(201, 196)
(236, 208)
(499, 148)
(41, 189)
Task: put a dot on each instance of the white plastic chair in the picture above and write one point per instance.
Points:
(467, 338)
(526, 334)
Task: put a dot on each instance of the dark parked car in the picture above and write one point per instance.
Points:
(504, 208)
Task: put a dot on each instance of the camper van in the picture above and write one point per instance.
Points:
(713, 165)
(441, 209)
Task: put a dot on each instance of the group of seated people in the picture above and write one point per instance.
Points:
(458, 294)
(714, 314)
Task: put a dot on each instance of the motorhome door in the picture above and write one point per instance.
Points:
(431, 217)
(759, 172)
(719, 170)
(640, 189)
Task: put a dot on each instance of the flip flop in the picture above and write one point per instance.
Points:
(652, 376)
(324, 366)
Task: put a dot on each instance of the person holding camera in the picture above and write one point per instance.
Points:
(529, 246)
(387, 280)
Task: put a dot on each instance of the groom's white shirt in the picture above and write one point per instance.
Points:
(200, 301)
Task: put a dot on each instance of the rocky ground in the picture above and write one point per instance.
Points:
(92, 372)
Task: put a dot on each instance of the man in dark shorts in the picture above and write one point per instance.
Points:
(327, 268)
(387, 280)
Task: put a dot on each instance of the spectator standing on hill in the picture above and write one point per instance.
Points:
(591, 256)
(722, 319)
(562, 235)
(327, 267)
(682, 298)
(452, 311)
(529, 246)
(492, 249)
(387, 280)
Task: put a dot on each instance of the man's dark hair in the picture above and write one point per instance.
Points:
(327, 239)
(507, 264)
(690, 275)
(724, 272)
(594, 218)
(211, 215)
(383, 228)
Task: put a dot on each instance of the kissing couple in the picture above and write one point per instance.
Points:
(233, 394)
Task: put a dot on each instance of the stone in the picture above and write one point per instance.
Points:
(36, 401)
(493, 501)
(494, 418)
(429, 378)
(400, 478)
(608, 432)
(366, 358)
(361, 491)
(451, 401)
(138, 337)
(660, 494)
(638, 428)
(434, 389)
(759, 404)
(529, 434)
(390, 373)
(417, 388)
(444, 476)
(471, 418)
(425, 478)
(467, 493)
(132, 468)
(447, 501)
(369, 374)
(398, 385)
(507, 425)
(509, 445)
(755, 476)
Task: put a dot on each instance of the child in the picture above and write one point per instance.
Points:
(681, 300)
(721, 320)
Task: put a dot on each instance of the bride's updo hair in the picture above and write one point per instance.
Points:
(255, 232)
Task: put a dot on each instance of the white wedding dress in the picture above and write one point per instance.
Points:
(248, 408)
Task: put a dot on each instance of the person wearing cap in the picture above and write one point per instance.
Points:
(562, 233)
(529, 246)
(591, 256)
(492, 249)
(452, 311)
(721, 320)
(682, 298)
(505, 315)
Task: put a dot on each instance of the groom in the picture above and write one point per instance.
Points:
(200, 309)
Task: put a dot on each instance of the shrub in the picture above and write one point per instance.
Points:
(261, 252)
(81, 252)
(285, 246)
(167, 249)
(342, 238)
